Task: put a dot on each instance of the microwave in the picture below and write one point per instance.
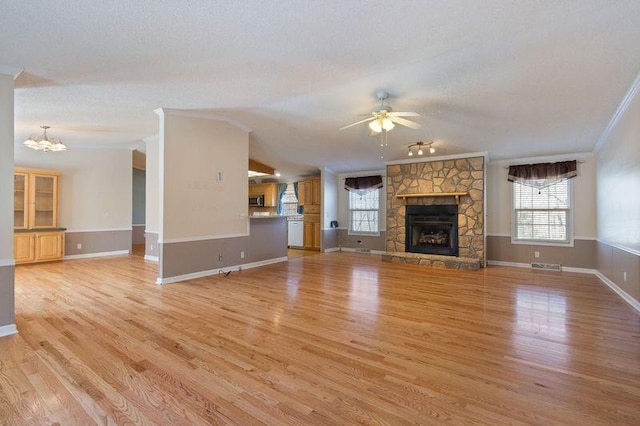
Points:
(256, 201)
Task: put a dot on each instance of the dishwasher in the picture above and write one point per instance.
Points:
(296, 233)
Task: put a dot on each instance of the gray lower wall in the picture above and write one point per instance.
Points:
(581, 255)
(7, 301)
(267, 240)
(330, 239)
(151, 244)
(370, 242)
(95, 242)
(137, 234)
(614, 262)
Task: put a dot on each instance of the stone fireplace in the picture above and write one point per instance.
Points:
(454, 189)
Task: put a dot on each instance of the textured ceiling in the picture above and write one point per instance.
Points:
(514, 78)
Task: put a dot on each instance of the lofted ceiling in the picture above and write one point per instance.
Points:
(514, 78)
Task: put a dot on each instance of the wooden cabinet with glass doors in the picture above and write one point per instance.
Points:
(37, 237)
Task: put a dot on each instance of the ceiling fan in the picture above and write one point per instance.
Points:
(383, 119)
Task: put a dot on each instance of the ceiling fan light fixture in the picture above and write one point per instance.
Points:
(376, 125)
(387, 124)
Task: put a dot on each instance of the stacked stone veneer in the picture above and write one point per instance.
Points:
(442, 176)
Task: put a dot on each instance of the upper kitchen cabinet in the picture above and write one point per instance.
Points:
(267, 190)
(35, 204)
(20, 200)
(309, 192)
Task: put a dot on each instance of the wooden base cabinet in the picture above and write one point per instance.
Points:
(24, 247)
(312, 235)
(31, 247)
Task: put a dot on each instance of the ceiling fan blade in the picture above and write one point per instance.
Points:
(404, 114)
(404, 122)
(358, 122)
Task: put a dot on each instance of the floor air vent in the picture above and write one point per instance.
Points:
(363, 250)
(547, 266)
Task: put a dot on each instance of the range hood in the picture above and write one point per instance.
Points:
(257, 169)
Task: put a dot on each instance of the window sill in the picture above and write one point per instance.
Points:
(543, 243)
(364, 234)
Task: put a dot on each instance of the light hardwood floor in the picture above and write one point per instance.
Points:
(339, 338)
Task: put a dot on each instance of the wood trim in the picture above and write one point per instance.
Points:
(256, 166)
(457, 195)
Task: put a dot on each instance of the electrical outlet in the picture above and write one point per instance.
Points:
(79, 246)
(624, 277)
(241, 255)
(536, 254)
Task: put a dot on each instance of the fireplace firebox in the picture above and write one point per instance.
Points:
(432, 229)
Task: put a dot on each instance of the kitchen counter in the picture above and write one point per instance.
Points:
(271, 216)
(18, 231)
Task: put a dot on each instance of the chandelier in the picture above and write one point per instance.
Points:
(420, 151)
(44, 142)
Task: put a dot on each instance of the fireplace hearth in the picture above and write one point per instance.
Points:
(432, 229)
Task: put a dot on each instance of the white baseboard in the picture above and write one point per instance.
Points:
(217, 271)
(151, 258)
(99, 254)
(8, 330)
(513, 264)
(331, 250)
(626, 296)
(528, 265)
(354, 250)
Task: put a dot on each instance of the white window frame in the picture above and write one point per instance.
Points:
(373, 233)
(570, 239)
(285, 194)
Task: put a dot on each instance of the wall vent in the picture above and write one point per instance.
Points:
(547, 266)
(363, 250)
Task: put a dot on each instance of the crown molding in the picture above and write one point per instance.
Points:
(622, 108)
(363, 173)
(9, 70)
(197, 114)
(545, 158)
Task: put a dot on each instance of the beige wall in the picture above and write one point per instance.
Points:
(7, 309)
(619, 183)
(152, 185)
(343, 198)
(6, 168)
(499, 247)
(193, 203)
(584, 196)
(618, 202)
(95, 185)
(329, 181)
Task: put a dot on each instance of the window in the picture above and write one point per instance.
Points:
(542, 215)
(289, 201)
(364, 209)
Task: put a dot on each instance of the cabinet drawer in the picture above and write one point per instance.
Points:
(312, 218)
(311, 209)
